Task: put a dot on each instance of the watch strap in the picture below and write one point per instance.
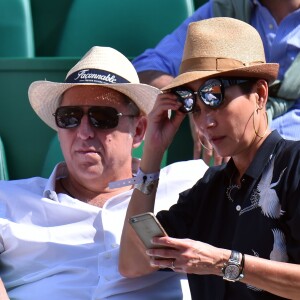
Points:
(140, 178)
(147, 187)
(235, 257)
(147, 182)
(236, 260)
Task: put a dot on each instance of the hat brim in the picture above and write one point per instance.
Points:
(266, 71)
(45, 96)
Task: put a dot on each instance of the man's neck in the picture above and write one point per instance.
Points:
(101, 199)
(280, 8)
(86, 193)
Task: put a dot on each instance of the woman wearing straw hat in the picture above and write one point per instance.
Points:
(278, 23)
(236, 232)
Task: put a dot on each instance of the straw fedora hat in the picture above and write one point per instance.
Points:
(101, 66)
(223, 47)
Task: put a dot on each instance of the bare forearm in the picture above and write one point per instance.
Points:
(133, 260)
(195, 257)
(159, 134)
(278, 278)
(282, 279)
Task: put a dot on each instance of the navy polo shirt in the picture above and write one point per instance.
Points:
(261, 218)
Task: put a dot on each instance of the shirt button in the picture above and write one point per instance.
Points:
(114, 246)
(51, 195)
(107, 255)
(238, 208)
(271, 26)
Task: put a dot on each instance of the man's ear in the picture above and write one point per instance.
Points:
(262, 92)
(139, 133)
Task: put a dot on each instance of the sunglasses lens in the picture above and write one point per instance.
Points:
(211, 93)
(68, 117)
(187, 99)
(99, 116)
(103, 117)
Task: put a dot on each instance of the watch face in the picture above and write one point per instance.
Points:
(232, 272)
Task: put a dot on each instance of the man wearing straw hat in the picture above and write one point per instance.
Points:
(59, 237)
(236, 232)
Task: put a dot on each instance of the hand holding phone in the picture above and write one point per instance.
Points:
(147, 226)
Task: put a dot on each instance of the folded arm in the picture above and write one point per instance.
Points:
(195, 257)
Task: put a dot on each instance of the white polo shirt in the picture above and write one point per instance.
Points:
(55, 247)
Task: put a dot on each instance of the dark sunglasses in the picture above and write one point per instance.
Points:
(102, 117)
(211, 93)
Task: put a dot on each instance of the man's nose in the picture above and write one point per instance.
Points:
(85, 130)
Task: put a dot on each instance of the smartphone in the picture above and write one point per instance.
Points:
(147, 226)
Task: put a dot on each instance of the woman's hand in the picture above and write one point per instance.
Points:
(163, 122)
(188, 256)
(193, 257)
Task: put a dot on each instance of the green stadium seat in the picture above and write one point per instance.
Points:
(25, 136)
(3, 164)
(54, 155)
(129, 26)
(16, 30)
(48, 19)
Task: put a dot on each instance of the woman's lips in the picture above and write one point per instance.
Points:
(215, 140)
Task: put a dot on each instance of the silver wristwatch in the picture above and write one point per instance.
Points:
(233, 269)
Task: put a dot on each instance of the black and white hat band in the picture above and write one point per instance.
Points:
(95, 76)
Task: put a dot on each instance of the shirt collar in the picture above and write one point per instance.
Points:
(264, 154)
(262, 157)
(59, 171)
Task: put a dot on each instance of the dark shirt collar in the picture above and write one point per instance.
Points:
(262, 157)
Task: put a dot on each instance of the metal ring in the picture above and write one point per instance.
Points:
(172, 264)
